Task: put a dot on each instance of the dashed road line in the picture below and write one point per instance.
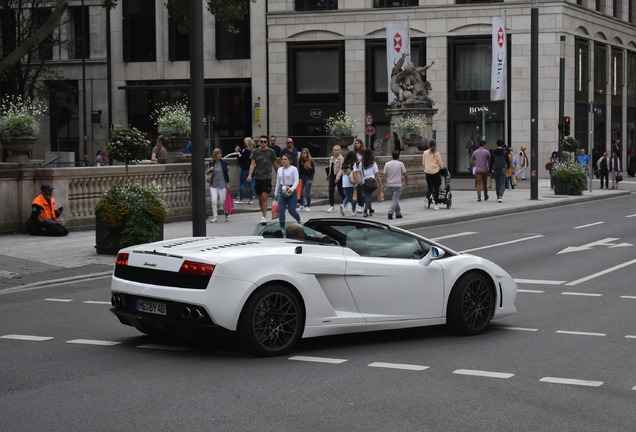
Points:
(570, 381)
(530, 291)
(164, 347)
(629, 297)
(398, 366)
(578, 333)
(92, 342)
(481, 373)
(589, 225)
(568, 293)
(97, 302)
(318, 359)
(503, 244)
(519, 329)
(630, 337)
(454, 235)
(539, 282)
(58, 300)
(26, 337)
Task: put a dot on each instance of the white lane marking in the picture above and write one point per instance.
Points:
(605, 242)
(93, 342)
(454, 235)
(634, 388)
(569, 381)
(580, 294)
(530, 291)
(519, 329)
(630, 337)
(398, 366)
(58, 300)
(589, 225)
(538, 282)
(601, 273)
(317, 359)
(97, 302)
(629, 297)
(481, 373)
(26, 337)
(503, 244)
(577, 333)
(632, 215)
(163, 347)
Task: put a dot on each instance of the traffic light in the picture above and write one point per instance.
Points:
(566, 126)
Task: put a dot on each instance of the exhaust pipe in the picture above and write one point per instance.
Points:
(197, 315)
(115, 301)
(186, 313)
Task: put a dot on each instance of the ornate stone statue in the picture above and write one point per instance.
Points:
(409, 86)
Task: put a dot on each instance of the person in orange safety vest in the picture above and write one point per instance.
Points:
(44, 217)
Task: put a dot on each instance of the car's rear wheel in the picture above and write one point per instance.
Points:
(471, 304)
(271, 322)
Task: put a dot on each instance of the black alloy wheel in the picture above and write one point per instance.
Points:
(471, 304)
(271, 322)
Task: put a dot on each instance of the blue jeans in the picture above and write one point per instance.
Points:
(305, 192)
(500, 182)
(243, 182)
(288, 203)
(348, 193)
(368, 198)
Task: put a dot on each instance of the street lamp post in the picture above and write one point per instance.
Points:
(534, 100)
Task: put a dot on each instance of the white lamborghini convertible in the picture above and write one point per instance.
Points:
(343, 276)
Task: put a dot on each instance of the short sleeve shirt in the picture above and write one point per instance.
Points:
(263, 166)
(583, 160)
(394, 170)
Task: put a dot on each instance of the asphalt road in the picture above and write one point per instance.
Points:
(565, 362)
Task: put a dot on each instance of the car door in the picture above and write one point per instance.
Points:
(387, 280)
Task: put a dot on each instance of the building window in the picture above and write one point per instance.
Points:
(139, 31)
(316, 73)
(617, 77)
(230, 46)
(178, 42)
(470, 78)
(81, 47)
(600, 72)
(395, 3)
(315, 5)
(581, 70)
(631, 79)
(8, 24)
(477, 1)
(45, 48)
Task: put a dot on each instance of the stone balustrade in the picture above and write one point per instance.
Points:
(79, 189)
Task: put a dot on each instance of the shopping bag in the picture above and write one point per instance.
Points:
(228, 205)
(274, 210)
(355, 195)
(299, 189)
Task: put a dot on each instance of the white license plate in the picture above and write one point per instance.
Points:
(151, 307)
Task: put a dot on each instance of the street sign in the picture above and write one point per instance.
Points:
(370, 130)
(368, 119)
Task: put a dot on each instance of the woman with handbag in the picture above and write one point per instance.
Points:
(432, 162)
(219, 183)
(348, 177)
(335, 163)
(370, 180)
(285, 193)
(615, 169)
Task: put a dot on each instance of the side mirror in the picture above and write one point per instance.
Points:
(433, 254)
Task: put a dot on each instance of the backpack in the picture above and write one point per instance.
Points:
(499, 161)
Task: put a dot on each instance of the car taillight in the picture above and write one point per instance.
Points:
(196, 268)
(122, 259)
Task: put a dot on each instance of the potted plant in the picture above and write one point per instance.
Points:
(410, 128)
(175, 124)
(569, 178)
(341, 127)
(128, 215)
(19, 126)
(127, 145)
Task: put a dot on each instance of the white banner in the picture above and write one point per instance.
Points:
(398, 43)
(498, 76)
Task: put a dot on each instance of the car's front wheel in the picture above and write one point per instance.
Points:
(471, 304)
(271, 322)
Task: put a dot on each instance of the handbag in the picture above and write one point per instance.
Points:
(208, 177)
(619, 177)
(548, 166)
(352, 177)
(274, 210)
(370, 184)
(228, 205)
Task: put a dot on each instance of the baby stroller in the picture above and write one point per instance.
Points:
(445, 195)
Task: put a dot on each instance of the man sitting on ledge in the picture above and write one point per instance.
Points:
(44, 218)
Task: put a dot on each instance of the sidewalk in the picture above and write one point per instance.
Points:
(26, 259)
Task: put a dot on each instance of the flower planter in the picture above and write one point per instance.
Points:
(344, 142)
(559, 186)
(20, 147)
(107, 242)
(174, 144)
